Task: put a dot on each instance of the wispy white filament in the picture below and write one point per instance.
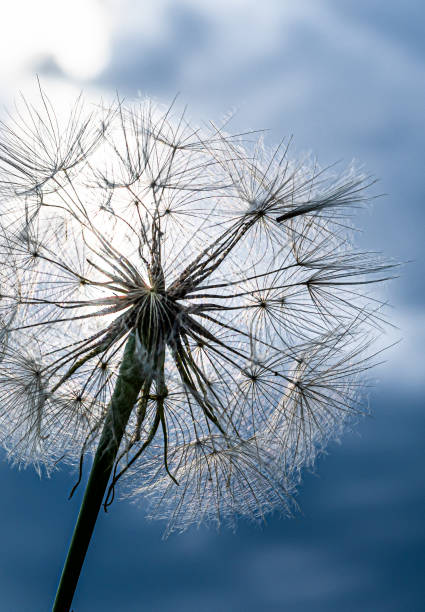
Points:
(234, 267)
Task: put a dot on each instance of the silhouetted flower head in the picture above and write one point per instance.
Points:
(231, 266)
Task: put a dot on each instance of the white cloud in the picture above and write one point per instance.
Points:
(74, 34)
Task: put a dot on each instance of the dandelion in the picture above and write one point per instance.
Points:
(182, 305)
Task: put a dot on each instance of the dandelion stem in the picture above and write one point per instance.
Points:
(130, 380)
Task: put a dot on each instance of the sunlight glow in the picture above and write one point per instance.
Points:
(75, 35)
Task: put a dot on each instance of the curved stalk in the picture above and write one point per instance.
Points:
(130, 380)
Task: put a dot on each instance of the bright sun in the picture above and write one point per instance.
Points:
(75, 34)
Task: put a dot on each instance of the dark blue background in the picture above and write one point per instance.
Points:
(348, 80)
(358, 543)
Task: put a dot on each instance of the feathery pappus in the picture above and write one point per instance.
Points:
(211, 279)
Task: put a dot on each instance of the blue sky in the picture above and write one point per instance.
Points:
(347, 79)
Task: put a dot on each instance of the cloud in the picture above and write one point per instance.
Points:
(405, 364)
(75, 36)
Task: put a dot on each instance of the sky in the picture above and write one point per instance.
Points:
(347, 80)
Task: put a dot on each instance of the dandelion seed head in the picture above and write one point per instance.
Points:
(230, 265)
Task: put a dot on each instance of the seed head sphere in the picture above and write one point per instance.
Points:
(228, 266)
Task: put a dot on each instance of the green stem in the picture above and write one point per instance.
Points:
(130, 380)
